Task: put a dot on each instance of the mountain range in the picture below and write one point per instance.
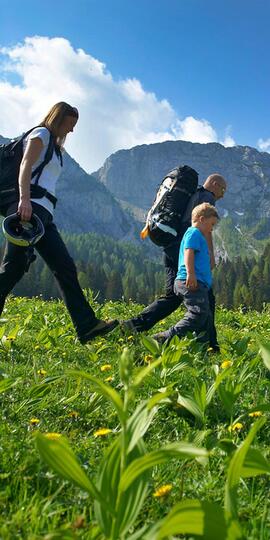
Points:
(114, 200)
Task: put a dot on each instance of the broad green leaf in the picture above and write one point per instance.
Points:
(27, 319)
(59, 456)
(265, 353)
(151, 345)
(126, 505)
(139, 423)
(179, 450)
(235, 469)
(200, 395)
(159, 397)
(228, 398)
(180, 366)
(255, 464)
(103, 389)
(14, 332)
(190, 404)
(203, 519)
(140, 376)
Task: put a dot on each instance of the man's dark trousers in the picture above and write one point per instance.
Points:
(167, 304)
(54, 252)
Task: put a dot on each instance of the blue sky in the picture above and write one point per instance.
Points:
(208, 59)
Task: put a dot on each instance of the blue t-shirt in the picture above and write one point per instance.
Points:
(194, 239)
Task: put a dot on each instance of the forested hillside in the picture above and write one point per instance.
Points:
(115, 270)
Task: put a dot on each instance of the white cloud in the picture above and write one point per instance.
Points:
(228, 140)
(193, 130)
(264, 145)
(113, 114)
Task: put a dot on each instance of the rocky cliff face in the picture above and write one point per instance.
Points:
(86, 205)
(133, 175)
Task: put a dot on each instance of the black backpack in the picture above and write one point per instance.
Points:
(11, 155)
(163, 223)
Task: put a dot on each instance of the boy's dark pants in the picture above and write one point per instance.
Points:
(54, 252)
(167, 304)
(198, 315)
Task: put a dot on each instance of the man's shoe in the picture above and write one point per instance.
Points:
(161, 337)
(128, 326)
(101, 328)
(214, 348)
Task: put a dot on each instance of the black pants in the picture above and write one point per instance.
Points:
(54, 252)
(167, 304)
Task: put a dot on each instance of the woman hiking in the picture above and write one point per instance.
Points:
(59, 121)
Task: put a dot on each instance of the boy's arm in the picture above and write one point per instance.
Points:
(191, 281)
(209, 240)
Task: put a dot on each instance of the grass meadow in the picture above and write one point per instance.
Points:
(125, 439)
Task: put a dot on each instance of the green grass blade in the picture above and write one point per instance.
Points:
(235, 469)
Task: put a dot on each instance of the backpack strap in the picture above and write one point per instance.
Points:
(48, 156)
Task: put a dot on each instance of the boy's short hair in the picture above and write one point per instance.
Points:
(205, 210)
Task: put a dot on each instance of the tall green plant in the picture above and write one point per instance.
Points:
(123, 478)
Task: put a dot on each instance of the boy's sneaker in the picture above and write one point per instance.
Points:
(100, 328)
(128, 326)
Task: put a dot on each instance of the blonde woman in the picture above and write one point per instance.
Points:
(37, 195)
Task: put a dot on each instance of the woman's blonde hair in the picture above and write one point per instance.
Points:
(55, 117)
(205, 210)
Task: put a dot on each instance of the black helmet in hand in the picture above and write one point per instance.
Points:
(23, 233)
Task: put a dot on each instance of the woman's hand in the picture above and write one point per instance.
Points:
(25, 209)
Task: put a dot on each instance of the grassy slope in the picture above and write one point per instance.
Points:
(34, 501)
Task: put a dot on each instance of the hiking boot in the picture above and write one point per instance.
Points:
(214, 348)
(161, 337)
(128, 326)
(100, 328)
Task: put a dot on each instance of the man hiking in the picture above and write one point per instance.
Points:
(212, 190)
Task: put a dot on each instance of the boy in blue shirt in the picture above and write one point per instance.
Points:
(194, 277)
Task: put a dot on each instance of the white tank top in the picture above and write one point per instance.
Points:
(51, 171)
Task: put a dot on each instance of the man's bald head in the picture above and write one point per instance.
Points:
(216, 183)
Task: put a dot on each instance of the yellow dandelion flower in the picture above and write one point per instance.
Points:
(53, 436)
(42, 372)
(255, 414)
(236, 427)
(73, 414)
(226, 364)
(106, 367)
(102, 432)
(162, 491)
(148, 358)
(130, 338)
(109, 379)
(34, 421)
(210, 349)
